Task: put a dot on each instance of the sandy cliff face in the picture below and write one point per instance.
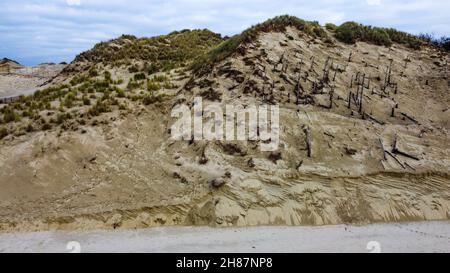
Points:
(366, 165)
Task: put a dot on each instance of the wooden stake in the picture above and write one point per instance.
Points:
(307, 131)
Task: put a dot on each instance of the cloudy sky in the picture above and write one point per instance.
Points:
(36, 31)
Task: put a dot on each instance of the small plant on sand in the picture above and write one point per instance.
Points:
(147, 100)
(46, 126)
(10, 115)
(139, 77)
(153, 86)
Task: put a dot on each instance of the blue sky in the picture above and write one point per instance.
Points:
(36, 31)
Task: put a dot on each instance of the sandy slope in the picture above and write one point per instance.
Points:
(126, 172)
(406, 237)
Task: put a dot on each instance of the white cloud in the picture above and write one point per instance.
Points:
(373, 2)
(57, 30)
(73, 2)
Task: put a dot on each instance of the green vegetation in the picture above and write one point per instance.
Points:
(139, 77)
(442, 42)
(132, 84)
(153, 86)
(351, 32)
(331, 27)
(99, 108)
(230, 46)
(10, 115)
(147, 100)
(160, 53)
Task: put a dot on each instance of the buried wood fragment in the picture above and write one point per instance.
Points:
(410, 118)
(396, 159)
(409, 166)
(365, 115)
(382, 147)
(307, 131)
(395, 150)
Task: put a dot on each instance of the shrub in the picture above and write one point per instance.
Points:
(152, 68)
(46, 126)
(331, 27)
(78, 80)
(169, 85)
(160, 78)
(348, 32)
(120, 93)
(133, 84)
(378, 36)
(68, 101)
(139, 77)
(107, 75)
(93, 72)
(153, 86)
(98, 108)
(147, 100)
(123, 106)
(133, 69)
(86, 100)
(444, 42)
(9, 115)
(351, 32)
(29, 128)
(60, 118)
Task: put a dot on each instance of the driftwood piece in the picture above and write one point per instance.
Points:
(361, 99)
(331, 97)
(396, 159)
(406, 155)
(307, 131)
(410, 118)
(395, 150)
(384, 150)
(409, 166)
(349, 100)
(365, 115)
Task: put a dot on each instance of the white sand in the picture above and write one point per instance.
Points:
(405, 237)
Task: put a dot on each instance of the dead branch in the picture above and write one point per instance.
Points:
(410, 118)
(396, 159)
(382, 147)
(307, 131)
(395, 150)
(373, 119)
